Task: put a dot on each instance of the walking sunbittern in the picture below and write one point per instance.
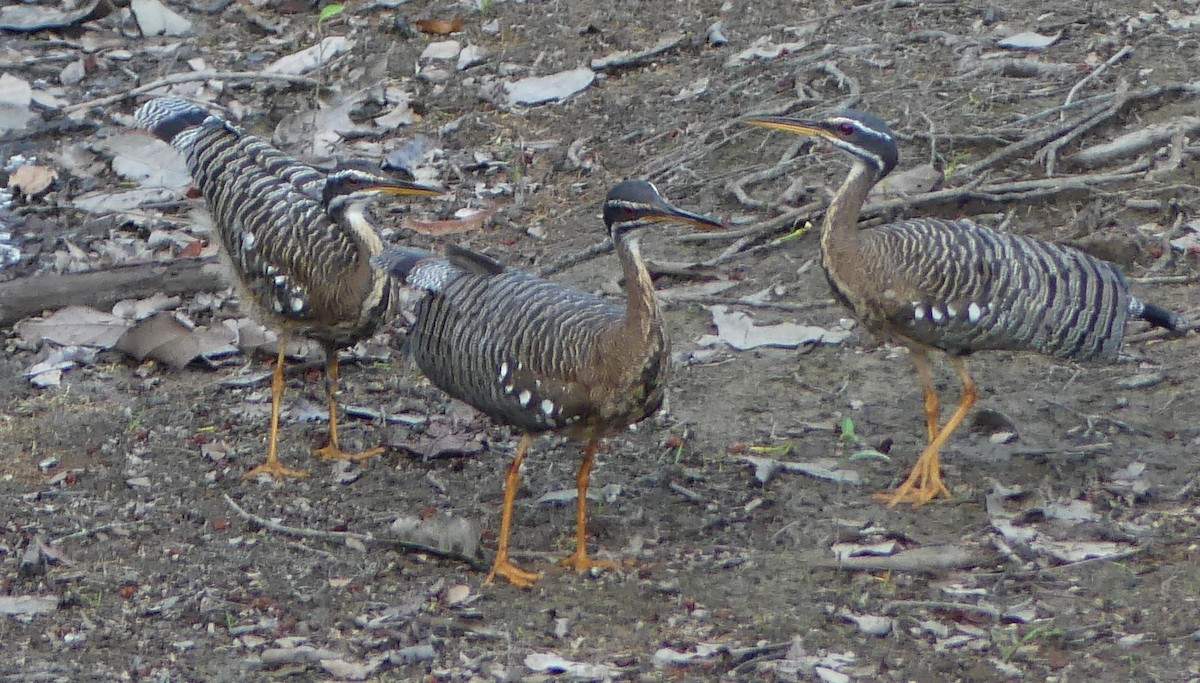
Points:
(957, 286)
(542, 357)
(298, 241)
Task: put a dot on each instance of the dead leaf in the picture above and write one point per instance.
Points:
(164, 337)
(441, 27)
(737, 329)
(31, 181)
(75, 325)
(443, 532)
(27, 604)
(576, 671)
(474, 221)
(148, 161)
(310, 58)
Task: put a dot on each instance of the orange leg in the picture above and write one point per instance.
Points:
(501, 566)
(933, 407)
(333, 451)
(925, 482)
(273, 466)
(579, 560)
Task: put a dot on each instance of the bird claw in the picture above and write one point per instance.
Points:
(275, 468)
(332, 452)
(515, 575)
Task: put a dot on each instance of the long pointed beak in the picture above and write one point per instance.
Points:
(813, 129)
(669, 213)
(405, 188)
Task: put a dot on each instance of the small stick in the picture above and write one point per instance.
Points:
(175, 79)
(343, 536)
(1096, 72)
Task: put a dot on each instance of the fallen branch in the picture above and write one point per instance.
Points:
(175, 79)
(343, 536)
(27, 296)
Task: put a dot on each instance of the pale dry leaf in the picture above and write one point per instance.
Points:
(310, 58)
(577, 671)
(31, 180)
(147, 161)
(15, 92)
(1029, 40)
(555, 87)
(444, 532)
(155, 19)
(27, 604)
(737, 330)
(75, 325)
(441, 50)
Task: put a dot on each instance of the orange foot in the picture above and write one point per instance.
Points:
(922, 486)
(515, 575)
(332, 452)
(274, 467)
(580, 561)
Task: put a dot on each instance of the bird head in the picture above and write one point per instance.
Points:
(636, 204)
(349, 186)
(864, 136)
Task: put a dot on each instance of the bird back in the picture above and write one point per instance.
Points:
(963, 287)
(527, 352)
(285, 249)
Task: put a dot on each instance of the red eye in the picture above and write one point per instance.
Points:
(845, 129)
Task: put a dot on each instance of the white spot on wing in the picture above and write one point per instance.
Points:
(936, 314)
(247, 240)
(524, 398)
(548, 407)
(919, 312)
(297, 304)
(974, 313)
(951, 311)
(504, 371)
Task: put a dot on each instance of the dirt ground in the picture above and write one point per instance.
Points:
(158, 577)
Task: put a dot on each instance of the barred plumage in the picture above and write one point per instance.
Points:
(543, 357)
(297, 239)
(957, 286)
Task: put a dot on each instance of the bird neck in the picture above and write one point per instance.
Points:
(642, 315)
(839, 233)
(368, 285)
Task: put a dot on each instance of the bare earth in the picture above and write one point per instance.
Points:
(159, 578)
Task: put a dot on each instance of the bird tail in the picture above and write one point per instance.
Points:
(1159, 317)
(167, 117)
(415, 267)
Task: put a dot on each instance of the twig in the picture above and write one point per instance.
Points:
(1096, 72)
(343, 536)
(602, 247)
(893, 606)
(175, 79)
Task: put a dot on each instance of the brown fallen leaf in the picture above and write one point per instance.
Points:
(164, 337)
(30, 181)
(441, 27)
(448, 227)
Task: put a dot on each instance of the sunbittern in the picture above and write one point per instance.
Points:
(297, 240)
(543, 357)
(957, 286)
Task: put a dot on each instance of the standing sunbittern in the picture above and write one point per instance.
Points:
(542, 357)
(297, 240)
(957, 286)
